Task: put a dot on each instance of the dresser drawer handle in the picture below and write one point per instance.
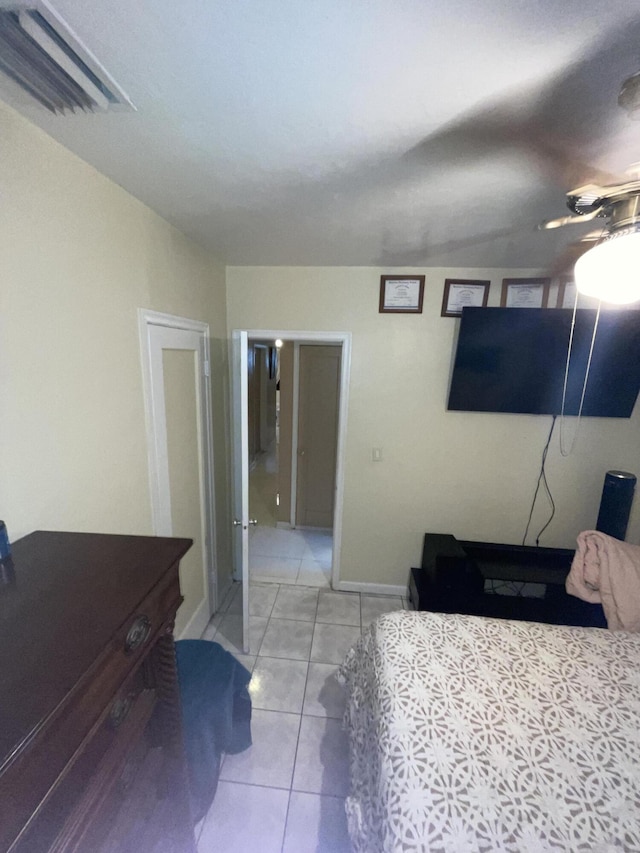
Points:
(138, 634)
(120, 710)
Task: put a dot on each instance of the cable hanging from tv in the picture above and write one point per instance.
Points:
(563, 448)
(542, 478)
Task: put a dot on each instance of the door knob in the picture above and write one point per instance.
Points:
(237, 523)
(253, 521)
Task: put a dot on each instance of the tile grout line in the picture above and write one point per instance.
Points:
(302, 715)
(295, 757)
(290, 789)
(253, 785)
(304, 696)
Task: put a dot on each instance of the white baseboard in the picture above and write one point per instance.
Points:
(373, 588)
(194, 628)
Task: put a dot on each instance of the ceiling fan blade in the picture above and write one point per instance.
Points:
(561, 221)
(473, 135)
(593, 237)
(417, 255)
(566, 169)
(578, 105)
(558, 123)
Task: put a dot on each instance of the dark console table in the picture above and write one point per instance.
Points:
(459, 576)
(91, 755)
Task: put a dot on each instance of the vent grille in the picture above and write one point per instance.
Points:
(40, 53)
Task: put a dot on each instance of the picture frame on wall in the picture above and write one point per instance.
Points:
(460, 293)
(525, 292)
(566, 292)
(401, 294)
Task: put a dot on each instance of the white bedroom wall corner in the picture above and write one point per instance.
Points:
(196, 625)
(74, 407)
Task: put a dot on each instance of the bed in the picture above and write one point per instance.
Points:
(472, 734)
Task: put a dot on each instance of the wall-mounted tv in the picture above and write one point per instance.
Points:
(513, 360)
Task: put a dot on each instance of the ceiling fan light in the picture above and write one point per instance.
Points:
(610, 271)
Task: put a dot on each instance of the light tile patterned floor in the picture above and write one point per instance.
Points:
(286, 793)
(283, 555)
(286, 556)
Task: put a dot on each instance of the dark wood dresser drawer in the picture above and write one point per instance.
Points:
(89, 773)
(62, 774)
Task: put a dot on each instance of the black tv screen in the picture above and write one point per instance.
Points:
(513, 360)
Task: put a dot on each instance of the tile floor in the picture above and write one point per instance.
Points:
(286, 793)
(284, 556)
(278, 554)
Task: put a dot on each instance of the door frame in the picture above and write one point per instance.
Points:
(343, 338)
(157, 451)
(239, 423)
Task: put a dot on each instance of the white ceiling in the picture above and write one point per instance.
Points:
(384, 132)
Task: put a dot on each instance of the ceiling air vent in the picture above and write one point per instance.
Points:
(41, 53)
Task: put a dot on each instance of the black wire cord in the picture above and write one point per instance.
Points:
(542, 478)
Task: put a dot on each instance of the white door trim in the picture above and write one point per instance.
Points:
(238, 362)
(157, 435)
(343, 338)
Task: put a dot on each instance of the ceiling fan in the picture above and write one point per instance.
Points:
(605, 260)
(558, 124)
(554, 126)
(617, 204)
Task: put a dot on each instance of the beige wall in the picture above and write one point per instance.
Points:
(78, 257)
(472, 475)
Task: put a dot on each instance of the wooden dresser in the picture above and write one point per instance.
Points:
(90, 734)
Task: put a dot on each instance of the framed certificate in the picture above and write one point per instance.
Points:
(566, 293)
(525, 292)
(460, 292)
(401, 294)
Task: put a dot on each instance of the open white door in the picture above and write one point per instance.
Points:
(239, 368)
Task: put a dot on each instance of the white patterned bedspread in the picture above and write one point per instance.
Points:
(471, 734)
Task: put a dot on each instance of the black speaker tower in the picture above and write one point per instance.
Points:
(615, 504)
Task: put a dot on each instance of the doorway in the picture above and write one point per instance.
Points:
(243, 523)
(294, 394)
(175, 361)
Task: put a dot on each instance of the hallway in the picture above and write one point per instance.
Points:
(279, 554)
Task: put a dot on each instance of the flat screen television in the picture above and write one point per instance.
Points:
(513, 360)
